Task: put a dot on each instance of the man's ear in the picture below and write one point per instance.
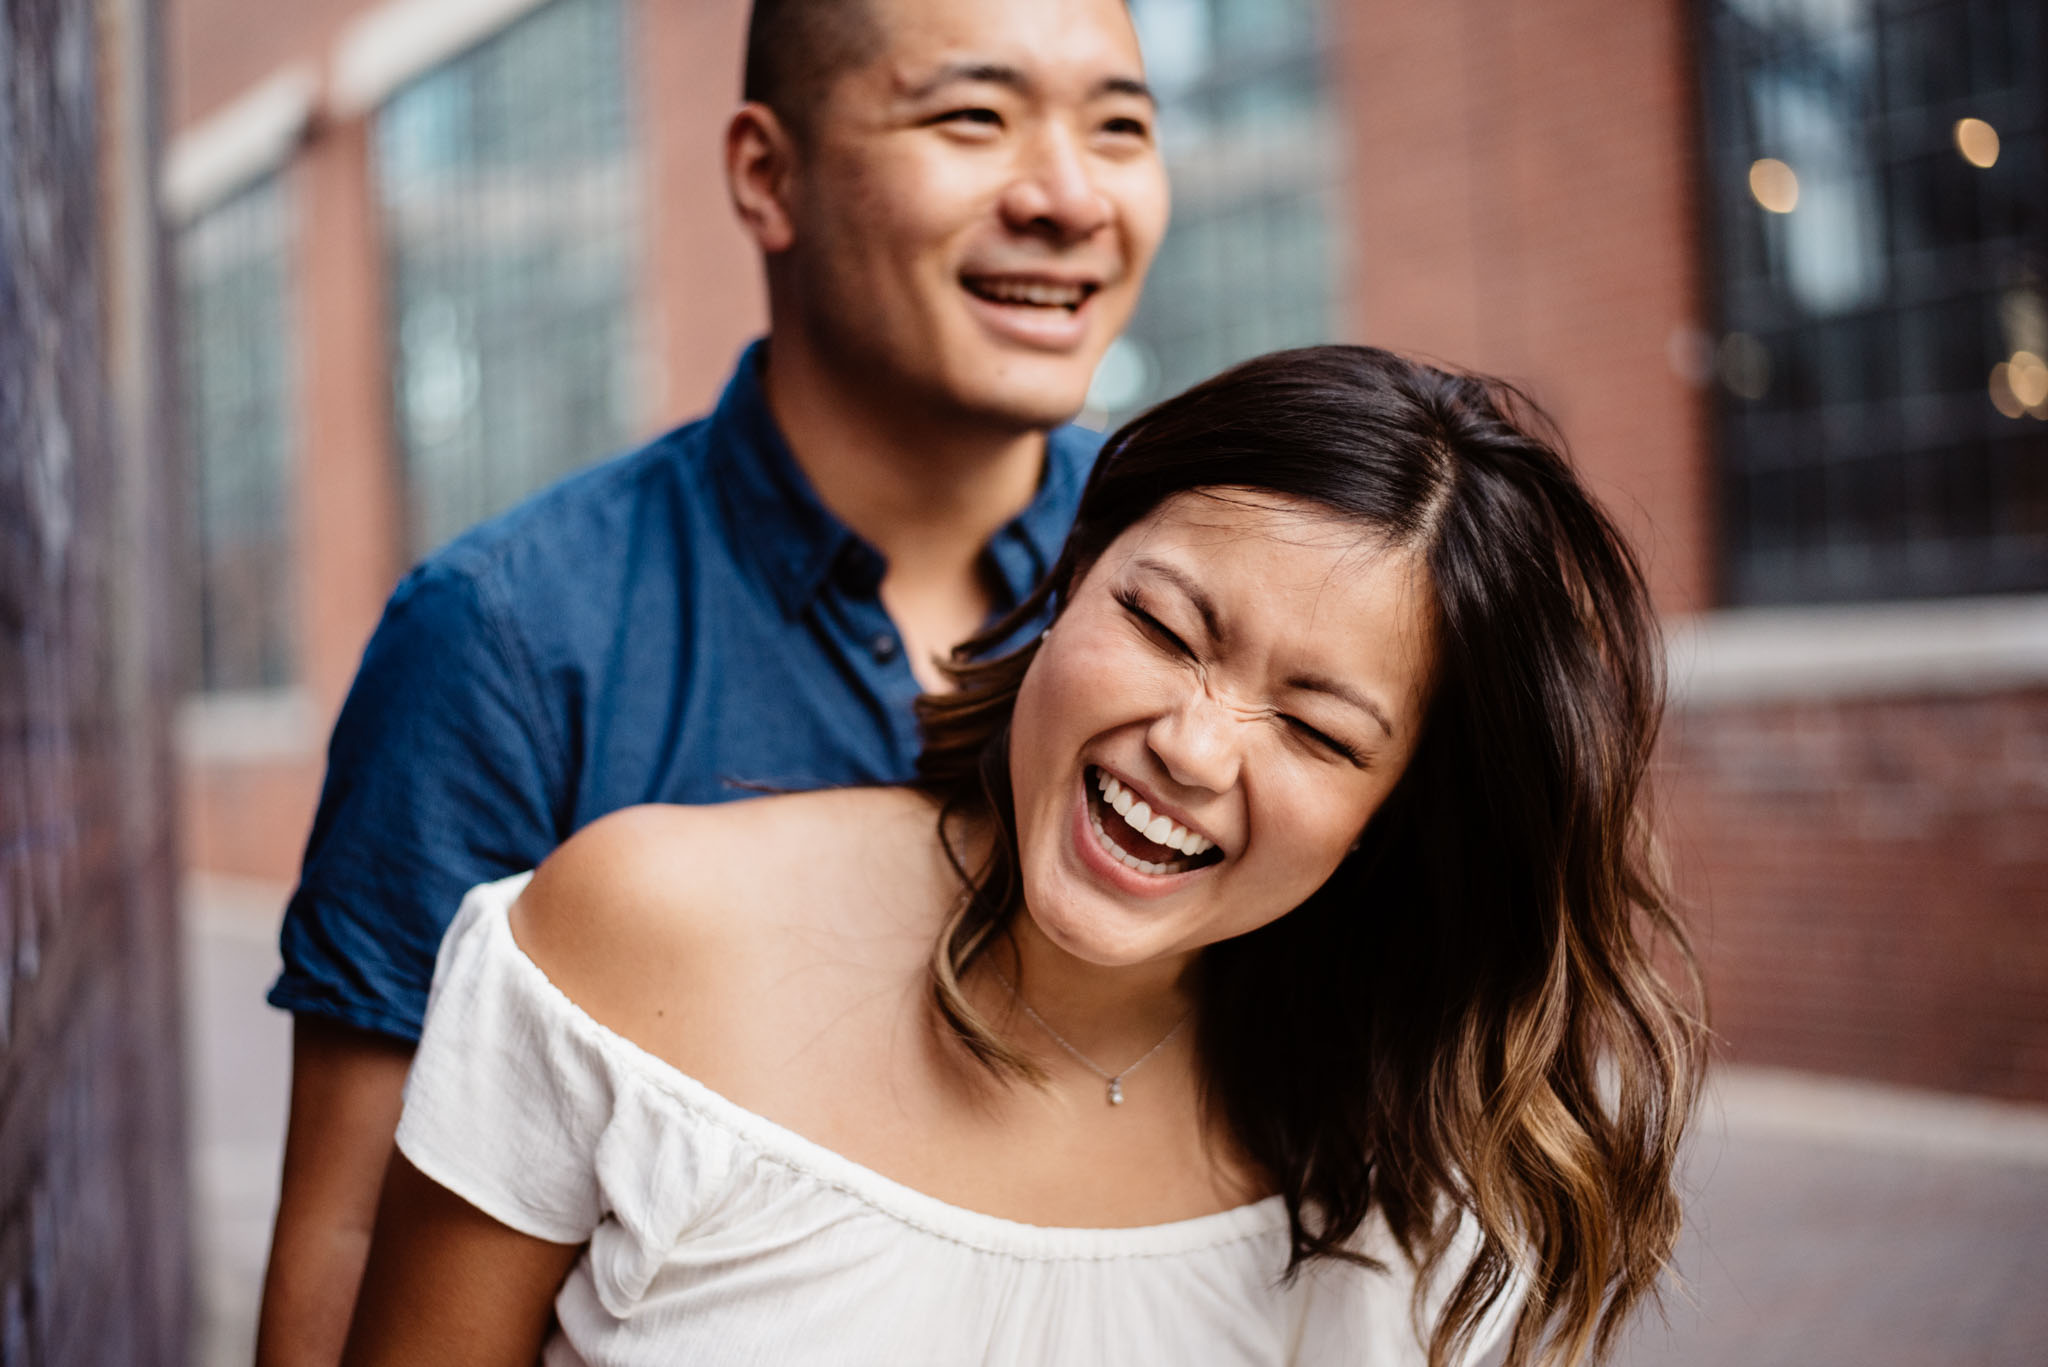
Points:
(760, 164)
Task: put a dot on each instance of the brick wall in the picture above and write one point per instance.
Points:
(1871, 884)
(92, 1176)
(1523, 202)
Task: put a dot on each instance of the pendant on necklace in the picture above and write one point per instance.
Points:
(1116, 1091)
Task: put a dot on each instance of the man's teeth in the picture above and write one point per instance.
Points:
(1044, 294)
(1160, 830)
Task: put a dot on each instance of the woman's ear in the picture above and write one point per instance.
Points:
(760, 166)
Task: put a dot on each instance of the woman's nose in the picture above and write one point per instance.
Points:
(1198, 742)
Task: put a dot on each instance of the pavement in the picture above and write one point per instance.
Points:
(1830, 1223)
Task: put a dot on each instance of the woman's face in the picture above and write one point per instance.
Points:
(1243, 673)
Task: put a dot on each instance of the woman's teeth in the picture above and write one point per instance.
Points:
(1138, 815)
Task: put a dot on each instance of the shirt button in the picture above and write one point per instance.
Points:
(884, 646)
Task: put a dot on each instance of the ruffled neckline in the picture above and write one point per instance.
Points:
(771, 1140)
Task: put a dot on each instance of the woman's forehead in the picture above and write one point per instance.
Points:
(1224, 524)
(1308, 586)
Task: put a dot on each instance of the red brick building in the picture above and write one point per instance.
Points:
(1759, 257)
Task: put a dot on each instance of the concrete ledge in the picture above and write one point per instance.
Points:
(1774, 1103)
(238, 908)
(264, 725)
(251, 136)
(1945, 646)
(401, 39)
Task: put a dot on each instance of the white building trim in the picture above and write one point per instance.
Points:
(401, 39)
(1944, 646)
(249, 137)
(1758, 1103)
(256, 725)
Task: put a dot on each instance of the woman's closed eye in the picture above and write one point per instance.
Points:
(1340, 749)
(1157, 629)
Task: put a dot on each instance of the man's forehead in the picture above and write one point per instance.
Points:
(924, 42)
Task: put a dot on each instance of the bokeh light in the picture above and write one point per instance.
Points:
(1774, 184)
(1745, 365)
(1978, 142)
(2002, 397)
(2027, 375)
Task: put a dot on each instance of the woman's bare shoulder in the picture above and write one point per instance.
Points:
(651, 913)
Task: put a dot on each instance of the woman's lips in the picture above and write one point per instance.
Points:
(1115, 865)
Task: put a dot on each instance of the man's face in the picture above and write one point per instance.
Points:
(973, 212)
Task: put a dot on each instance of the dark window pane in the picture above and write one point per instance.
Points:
(239, 417)
(508, 186)
(1883, 295)
(1247, 129)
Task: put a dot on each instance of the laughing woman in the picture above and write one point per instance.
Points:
(1261, 970)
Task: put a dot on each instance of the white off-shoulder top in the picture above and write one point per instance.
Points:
(717, 1237)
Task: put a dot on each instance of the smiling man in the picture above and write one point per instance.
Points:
(956, 202)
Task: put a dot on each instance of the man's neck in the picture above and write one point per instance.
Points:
(925, 491)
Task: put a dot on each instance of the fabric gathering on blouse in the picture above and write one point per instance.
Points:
(716, 1237)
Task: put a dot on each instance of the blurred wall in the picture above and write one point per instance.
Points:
(279, 77)
(1869, 877)
(92, 1226)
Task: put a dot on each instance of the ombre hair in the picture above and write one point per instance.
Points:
(1467, 1021)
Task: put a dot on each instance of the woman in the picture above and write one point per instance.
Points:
(1260, 970)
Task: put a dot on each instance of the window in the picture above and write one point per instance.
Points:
(1878, 191)
(239, 416)
(508, 188)
(1249, 139)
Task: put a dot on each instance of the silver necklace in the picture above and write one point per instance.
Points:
(1115, 1080)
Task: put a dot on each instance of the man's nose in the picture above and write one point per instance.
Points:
(1198, 742)
(1055, 193)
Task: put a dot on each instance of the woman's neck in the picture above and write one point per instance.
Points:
(1111, 1015)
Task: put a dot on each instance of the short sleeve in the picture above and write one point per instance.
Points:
(444, 772)
(507, 1101)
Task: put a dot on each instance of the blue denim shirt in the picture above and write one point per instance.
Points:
(686, 623)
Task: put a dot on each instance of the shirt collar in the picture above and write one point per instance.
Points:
(779, 526)
(774, 518)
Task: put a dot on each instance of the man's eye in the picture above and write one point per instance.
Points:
(987, 118)
(1128, 128)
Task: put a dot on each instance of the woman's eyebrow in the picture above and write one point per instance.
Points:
(1344, 692)
(1212, 620)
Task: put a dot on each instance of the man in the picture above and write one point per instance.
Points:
(956, 202)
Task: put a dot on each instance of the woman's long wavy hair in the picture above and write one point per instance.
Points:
(1468, 1017)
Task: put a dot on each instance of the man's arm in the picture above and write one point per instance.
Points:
(439, 777)
(449, 1285)
(346, 1088)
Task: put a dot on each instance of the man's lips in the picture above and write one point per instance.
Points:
(1031, 290)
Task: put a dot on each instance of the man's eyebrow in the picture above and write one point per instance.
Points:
(1343, 692)
(982, 73)
(1124, 85)
(1015, 78)
(1212, 621)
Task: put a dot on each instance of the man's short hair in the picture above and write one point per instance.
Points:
(795, 48)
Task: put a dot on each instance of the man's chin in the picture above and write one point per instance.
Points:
(1023, 402)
